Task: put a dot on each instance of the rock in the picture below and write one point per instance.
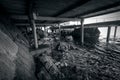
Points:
(91, 36)
(25, 66)
(16, 63)
(48, 68)
(8, 51)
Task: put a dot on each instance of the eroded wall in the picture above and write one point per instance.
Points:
(16, 63)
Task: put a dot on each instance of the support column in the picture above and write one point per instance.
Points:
(41, 28)
(108, 34)
(59, 30)
(44, 28)
(32, 22)
(82, 31)
(115, 31)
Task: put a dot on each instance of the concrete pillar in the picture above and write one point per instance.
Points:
(82, 31)
(108, 34)
(115, 31)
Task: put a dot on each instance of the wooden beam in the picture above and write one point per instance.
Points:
(32, 22)
(75, 5)
(94, 25)
(115, 31)
(100, 11)
(37, 25)
(82, 31)
(56, 19)
(31, 17)
(20, 17)
(40, 18)
(59, 30)
(108, 34)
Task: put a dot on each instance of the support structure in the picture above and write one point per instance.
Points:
(44, 28)
(59, 30)
(108, 34)
(82, 31)
(115, 32)
(32, 22)
(32, 16)
(41, 18)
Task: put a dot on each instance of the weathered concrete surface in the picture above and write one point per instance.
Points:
(8, 50)
(16, 63)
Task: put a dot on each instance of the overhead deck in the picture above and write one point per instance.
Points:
(50, 11)
(32, 12)
(92, 25)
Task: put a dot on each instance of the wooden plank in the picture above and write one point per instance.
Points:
(102, 12)
(94, 25)
(37, 25)
(56, 19)
(24, 17)
(19, 17)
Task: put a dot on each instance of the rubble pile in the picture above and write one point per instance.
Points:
(64, 60)
(109, 65)
(46, 69)
(80, 64)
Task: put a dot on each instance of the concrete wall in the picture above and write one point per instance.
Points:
(16, 63)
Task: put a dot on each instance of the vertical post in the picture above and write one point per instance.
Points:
(115, 31)
(40, 27)
(44, 28)
(108, 34)
(32, 22)
(82, 31)
(59, 30)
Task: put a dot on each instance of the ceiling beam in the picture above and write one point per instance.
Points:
(100, 24)
(71, 7)
(93, 25)
(57, 19)
(27, 24)
(101, 11)
(40, 18)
